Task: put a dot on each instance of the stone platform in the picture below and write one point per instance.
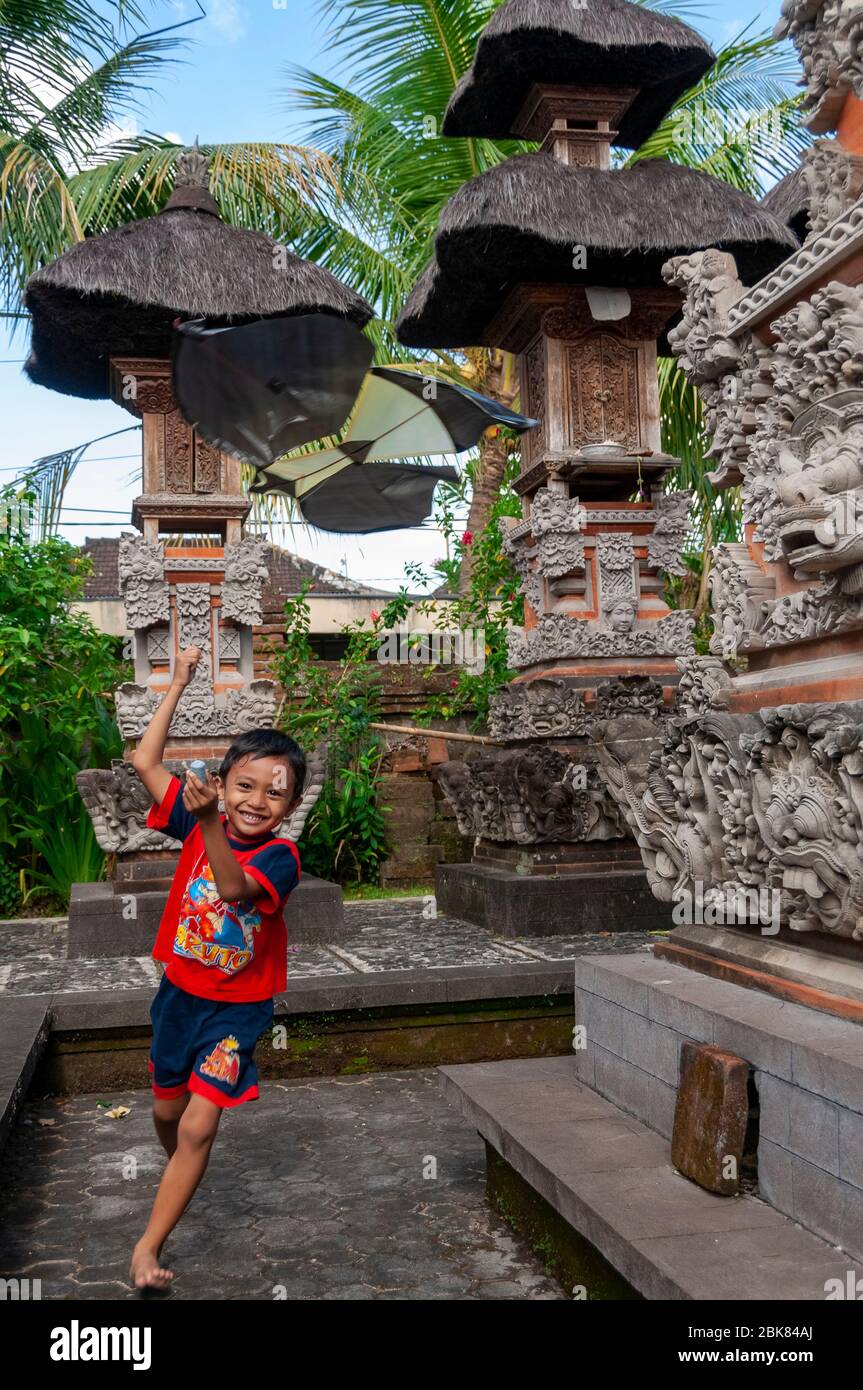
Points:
(513, 904)
(609, 1176)
(807, 1069)
(122, 919)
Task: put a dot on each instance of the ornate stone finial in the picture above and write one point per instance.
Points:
(192, 183)
(192, 169)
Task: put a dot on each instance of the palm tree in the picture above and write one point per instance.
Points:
(402, 60)
(68, 72)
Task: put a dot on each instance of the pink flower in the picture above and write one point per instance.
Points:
(467, 538)
(375, 616)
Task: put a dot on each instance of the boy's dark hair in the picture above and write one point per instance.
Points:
(267, 743)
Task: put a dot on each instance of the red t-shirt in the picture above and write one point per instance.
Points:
(233, 952)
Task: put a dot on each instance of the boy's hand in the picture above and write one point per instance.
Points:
(202, 799)
(184, 666)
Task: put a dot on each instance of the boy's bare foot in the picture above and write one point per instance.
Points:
(145, 1270)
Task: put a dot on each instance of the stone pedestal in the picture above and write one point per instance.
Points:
(122, 919)
(590, 898)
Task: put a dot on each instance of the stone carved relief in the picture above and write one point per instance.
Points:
(142, 581)
(522, 558)
(829, 42)
(557, 636)
(618, 593)
(730, 372)
(820, 347)
(245, 573)
(666, 541)
(230, 647)
(556, 523)
(821, 487)
(540, 709)
(720, 802)
(118, 805)
(821, 611)
(531, 796)
(704, 684)
(788, 421)
(159, 646)
(199, 712)
(549, 708)
(834, 181)
(629, 695)
(739, 590)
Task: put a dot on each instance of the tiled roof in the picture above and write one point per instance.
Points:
(287, 573)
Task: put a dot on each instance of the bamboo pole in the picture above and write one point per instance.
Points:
(437, 733)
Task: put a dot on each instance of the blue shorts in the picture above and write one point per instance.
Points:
(206, 1047)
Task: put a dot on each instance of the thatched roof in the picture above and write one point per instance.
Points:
(441, 312)
(609, 43)
(788, 200)
(520, 221)
(118, 294)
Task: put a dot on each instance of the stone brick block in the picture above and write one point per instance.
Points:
(406, 760)
(710, 1117)
(604, 1024)
(814, 1130)
(775, 1176)
(437, 751)
(662, 1100)
(818, 1200)
(623, 1084)
(774, 1101)
(851, 1147)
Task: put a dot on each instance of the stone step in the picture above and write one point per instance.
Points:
(24, 1027)
(611, 1179)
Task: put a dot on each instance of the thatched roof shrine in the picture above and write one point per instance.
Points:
(789, 201)
(118, 294)
(519, 222)
(610, 43)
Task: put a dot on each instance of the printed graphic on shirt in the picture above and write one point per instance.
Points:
(223, 1063)
(212, 932)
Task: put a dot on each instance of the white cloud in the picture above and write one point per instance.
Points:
(174, 138)
(226, 16)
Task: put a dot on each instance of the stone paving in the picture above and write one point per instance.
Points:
(316, 1191)
(385, 935)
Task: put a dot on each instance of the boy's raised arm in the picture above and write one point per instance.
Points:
(147, 758)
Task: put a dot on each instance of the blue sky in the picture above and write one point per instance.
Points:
(231, 85)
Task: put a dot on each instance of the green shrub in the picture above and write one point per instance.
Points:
(57, 675)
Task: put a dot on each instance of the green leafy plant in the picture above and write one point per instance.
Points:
(345, 836)
(490, 602)
(10, 890)
(70, 853)
(57, 674)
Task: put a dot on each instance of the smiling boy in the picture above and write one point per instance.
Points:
(224, 942)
